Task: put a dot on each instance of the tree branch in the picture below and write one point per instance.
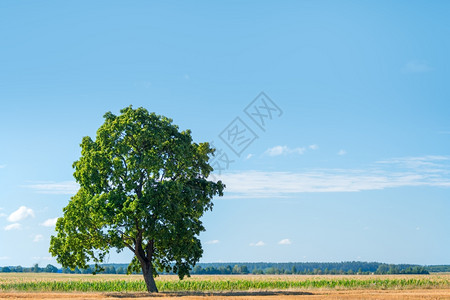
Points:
(126, 236)
(129, 247)
(149, 249)
(140, 253)
(138, 189)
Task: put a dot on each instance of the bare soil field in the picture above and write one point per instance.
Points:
(317, 294)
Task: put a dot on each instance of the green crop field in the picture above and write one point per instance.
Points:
(205, 283)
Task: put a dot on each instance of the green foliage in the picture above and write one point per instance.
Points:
(143, 186)
(50, 269)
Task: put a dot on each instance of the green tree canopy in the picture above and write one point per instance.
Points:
(51, 269)
(143, 186)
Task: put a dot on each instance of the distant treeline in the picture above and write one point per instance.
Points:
(438, 268)
(353, 267)
(309, 268)
(108, 269)
(34, 269)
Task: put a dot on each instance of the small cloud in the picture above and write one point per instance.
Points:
(258, 244)
(277, 150)
(283, 150)
(212, 242)
(313, 147)
(297, 150)
(22, 213)
(249, 156)
(50, 222)
(2, 166)
(417, 228)
(285, 242)
(342, 152)
(38, 238)
(14, 226)
(56, 188)
(186, 76)
(417, 67)
(4, 257)
(42, 258)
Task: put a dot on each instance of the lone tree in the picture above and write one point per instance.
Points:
(143, 186)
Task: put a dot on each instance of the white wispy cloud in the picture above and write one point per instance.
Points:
(283, 150)
(313, 147)
(342, 152)
(4, 257)
(400, 172)
(2, 166)
(42, 257)
(57, 188)
(50, 222)
(431, 162)
(13, 226)
(22, 213)
(212, 242)
(249, 156)
(38, 238)
(415, 66)
(258, 244)
(285, 242)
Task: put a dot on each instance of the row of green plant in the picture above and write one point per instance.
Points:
(225, 285)
(72, 286)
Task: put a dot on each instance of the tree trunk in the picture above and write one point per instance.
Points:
(147, 271)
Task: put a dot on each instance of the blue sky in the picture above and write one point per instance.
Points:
(352, 165)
